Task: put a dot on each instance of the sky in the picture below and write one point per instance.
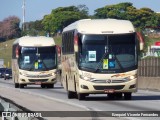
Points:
(36, 9)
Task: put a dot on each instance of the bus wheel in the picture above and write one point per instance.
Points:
(128, 96)
(118, 95)
(71, 94)
(81, 96)
(21, 86)
(50, 86)
(111, 96)
(43, 86)
(16, 85)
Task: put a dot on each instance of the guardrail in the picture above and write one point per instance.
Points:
(12, 111)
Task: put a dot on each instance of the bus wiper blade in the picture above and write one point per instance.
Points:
(87, 68)
(121, 67)
(45, 65)
(32, 64)
(100, 62)
(97, 68)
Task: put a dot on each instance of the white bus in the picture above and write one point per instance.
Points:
(99, 56)
(34, 61)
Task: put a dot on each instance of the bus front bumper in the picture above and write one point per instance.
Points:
(102, 88)
(37, 81)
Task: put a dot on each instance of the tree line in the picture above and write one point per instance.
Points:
(62, 16)
(9, 28)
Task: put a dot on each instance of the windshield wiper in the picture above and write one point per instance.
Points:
(121, 67)
(45, 65)
(32, 64)
(100, 62)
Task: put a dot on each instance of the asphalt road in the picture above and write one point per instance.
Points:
(39, 99)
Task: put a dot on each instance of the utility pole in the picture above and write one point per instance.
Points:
(23, 7)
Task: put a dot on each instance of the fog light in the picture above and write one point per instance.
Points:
(53, 79)
(23, 80)
(84, 87)
(132, 86)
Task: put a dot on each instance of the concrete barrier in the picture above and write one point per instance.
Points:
(150, 83)
(7, 107)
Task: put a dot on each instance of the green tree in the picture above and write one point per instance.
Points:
(158, 18)
(34, 28)
(63, 16)
(117, 11)
(9, 28)
(141, 18)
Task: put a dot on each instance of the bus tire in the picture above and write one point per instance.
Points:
(118, 95)
(66, 83)
(16, 85)
(50, 86)
(21, 85)
(111, 96)
(71, 94)
(128, 96)
(43, 86)
(81, 96)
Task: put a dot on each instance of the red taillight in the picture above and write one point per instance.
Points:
(17, 52)
(75, 39)
(58, 50)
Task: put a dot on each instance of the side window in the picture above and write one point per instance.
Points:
(72, 42)
(68, 42)
(63, 44)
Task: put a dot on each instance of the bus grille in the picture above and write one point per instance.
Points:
(38, 76)
(119, 81)
(38, 80)
(111, 81)
(117, 87)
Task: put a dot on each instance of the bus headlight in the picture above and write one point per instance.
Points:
(22, 74)
(85, 78)
(52, 74)
(130, 77)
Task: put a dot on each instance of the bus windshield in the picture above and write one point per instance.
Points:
(37, 58)
(108, 53)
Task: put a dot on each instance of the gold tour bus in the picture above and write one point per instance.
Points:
(99, 56)
(34, 61)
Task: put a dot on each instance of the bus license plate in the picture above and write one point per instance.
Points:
(109, 90)
(38, 83)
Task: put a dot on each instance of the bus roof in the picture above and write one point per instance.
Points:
(101, 26)
(35, 41)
